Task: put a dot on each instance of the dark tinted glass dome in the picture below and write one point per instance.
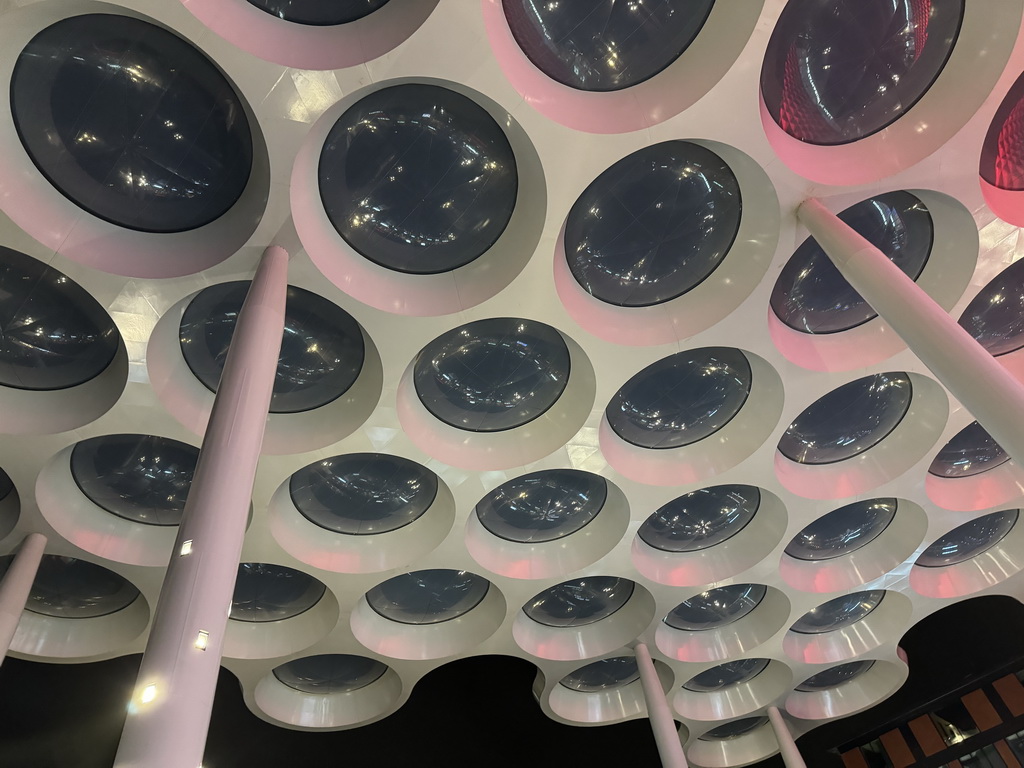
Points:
(55, 335)
(717, 607)
(1002, 154)
(131, 123)
(838, 70)
(835, 676)
(654, 225)
(701, 519)
(843, 530)
(363, 493)
(492, 375)
(838, 613)
(418, 178)
(970, 452)
(602, 675)
(848, 420)
(969, 540)
(995, 317)
(266, 592)
(138, 477)
(330, 673)
(813, 297)
(580, 601)
(604, 45)
(682, 398)
(428, 597)
(734, 729)
(6, 485)
(319, 13)
(69, 588)
(543, 506)
(322, 349)
(726, 675)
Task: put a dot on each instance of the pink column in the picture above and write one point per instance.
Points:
(790, 754)
(169, 713)
(16, 585)
(666, 735)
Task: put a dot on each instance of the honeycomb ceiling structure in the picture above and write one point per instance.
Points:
(561, 369)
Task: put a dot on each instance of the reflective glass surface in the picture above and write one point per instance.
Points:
(428, 597)
(131, 123)
(319, 12)
(6, 485)
(321, 352)
(726, 675)
(969, 540)
(543, 506)
(843, 530)
(418, 178)
(603, 674)
(995, 317)
(604, 45)
(716, 607)
(838, 613)
(835, 676)
(1002, 154)
(266, 592)
(735, 728)
(580, 601)
(55, 335)
(811, 295)
(654, 225)
(330, 673)
(969, 452)
(848, 420)
(838, 70)
(69, 588)
(491, 375)
(701, 519)
(682, 398)
(138, 477)
(363, 493)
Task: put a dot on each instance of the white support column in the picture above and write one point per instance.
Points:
(169, 713)
(16, 586)
(666, 735)
(990, 392)
(790, 754)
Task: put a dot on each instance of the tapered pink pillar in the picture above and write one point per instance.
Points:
(787, 747)
(16, 585)
(169, 713)
(666, 735)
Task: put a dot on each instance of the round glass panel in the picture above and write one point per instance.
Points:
(726, 675)
(69, 588)
(363, 493)
(580, 601)
(428, 597)
(734, 729)
(838, 613)
(995, 317)
(418, 178)
(1002, 158)
(836, 71)
(970, 452)
(969, 540)
(492, 375)
(716, 607)
(542, 506)
(319, 13)
(138, 477)
(131, 123)
(330, 673)
(701, 519)
(654, 225)
(6, 485)
(322, 348)
(266, 592)
(601, 675)
(835, 676)
(681, 399)
(843, 530)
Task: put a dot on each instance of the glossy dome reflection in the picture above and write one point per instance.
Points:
(428, 597)
(418, 178)
(492, 375)
(681, 399)
(580, 601)
(319, 12)
(69, 588)
(142, 478)
(543, 506)
(55, 335)
(330, 673)
(716, 607)
(843, 530)
(848, 420)
(726, 675)
(969, 540)
(266, 592)
(734, 729)
(1002, 158)
(811, 295)
(701, 519)
(838, 613)
(322, 350)
(836, 71)
(654, 225)
(969, 452)
(363, 493)
(131, 123)
(601, 675)
(995, 317)
(835, 676)
(604, 45)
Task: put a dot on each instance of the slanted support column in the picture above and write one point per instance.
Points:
(169, 713)
(666, 735)
(990, 392)
(790, 754)
(16, 585)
